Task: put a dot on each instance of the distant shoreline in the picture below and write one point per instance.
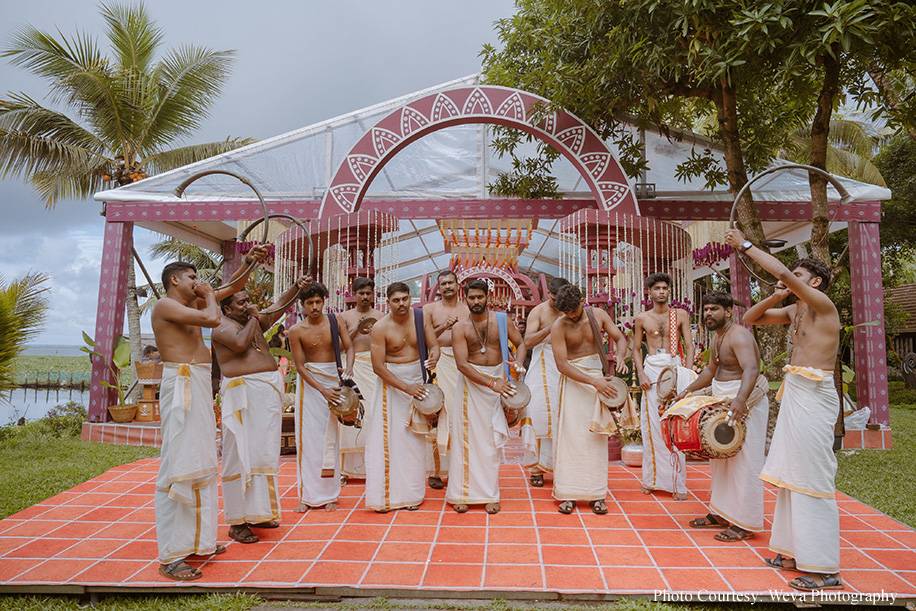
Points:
(52, 350)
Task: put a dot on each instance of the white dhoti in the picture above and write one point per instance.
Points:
(317, 450)
(661, 468)
(186, 498)
(352, 439)
(252, 408)
(580, 461)
(395, 471)
(438, 440)
(737, 492)
(801, 463)
(478, 432)
(539, 421)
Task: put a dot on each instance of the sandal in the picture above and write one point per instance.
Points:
(435, 483)
(781, 562)
(492, 508)
(460, 508)
(815, 582)
(734, 533)
(567, 507)
(242, 534)
(180, 571)
(710, 521)
(537, 480)
(598, 507)
(412, 508)
(271, 524)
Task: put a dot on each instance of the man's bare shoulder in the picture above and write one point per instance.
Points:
(165, 306)
(682, 315)
(642, 316)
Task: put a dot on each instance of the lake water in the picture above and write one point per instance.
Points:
(34, 403)
(52, 350)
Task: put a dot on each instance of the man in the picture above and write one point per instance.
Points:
(736, 502)
(443, 315)
(395, 467)
(252, 414)
(539, 425)
(186, 493)
(151, 355)
(662, 329)
(478, 428)
(580, 451)
(317, 344)
(801, 462)
(359, 323)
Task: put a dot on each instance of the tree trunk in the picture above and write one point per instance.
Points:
(133, 328)
(820, 131)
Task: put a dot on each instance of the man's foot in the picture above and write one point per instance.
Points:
(180, 571)
(537, 479)
(330, 507)
(567, 507)
(734, 533)
(302, 508)
(783, 563)
(242, 534)
(598, 507)
(435, 483)
(646, 490)
(220, 549)
(710, 521)
(271, 524)
(343, 480)
(492, 508)
(679, 496)
(461, 508)
(815, 581)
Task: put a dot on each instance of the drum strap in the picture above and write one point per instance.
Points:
(596, 336)
(502, 325)
(421, 342)
(335, 341)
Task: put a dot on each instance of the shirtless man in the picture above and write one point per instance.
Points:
(801, 462)
(395, 468)
(581, 449)
(539, 426)
(352, 439)
(443, 315)
(186, 494)
(736, 503)
(312, 342)
(252, 408)
(662, 329)
(478, 419)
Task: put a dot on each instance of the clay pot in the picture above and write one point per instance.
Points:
(631, 454)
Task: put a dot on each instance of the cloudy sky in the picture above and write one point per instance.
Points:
(298, 62)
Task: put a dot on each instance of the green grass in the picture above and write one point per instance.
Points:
(208, 602)
(65, 365)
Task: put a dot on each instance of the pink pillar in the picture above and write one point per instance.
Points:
(868, 306)
(741, 286)
(231, 258)
(109, 319)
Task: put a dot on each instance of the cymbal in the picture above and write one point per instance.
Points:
(365, 324)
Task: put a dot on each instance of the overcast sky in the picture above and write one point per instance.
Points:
(298, 62)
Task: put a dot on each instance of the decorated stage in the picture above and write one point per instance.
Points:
(100, 537)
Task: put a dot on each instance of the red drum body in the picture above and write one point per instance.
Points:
(705, 435)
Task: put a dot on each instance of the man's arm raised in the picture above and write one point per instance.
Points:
(240, 277)
(302, 283)
(207, 316)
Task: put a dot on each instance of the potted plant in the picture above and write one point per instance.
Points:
(631, 452)
(120, 360)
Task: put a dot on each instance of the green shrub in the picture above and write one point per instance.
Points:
(62, 421)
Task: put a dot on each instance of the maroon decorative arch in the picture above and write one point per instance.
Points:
(481, 104)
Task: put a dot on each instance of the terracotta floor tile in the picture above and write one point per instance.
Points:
(616, 536)
(471, 518)
(876, 581)
(882, 522)
(34, 528)
(569, 555)
(65, 512)
(251, 551)
(557, 519)
(896, 560)
(312, 532)
(399, 532)
(93, 549)
(515, 493)
(361, 532)
(457, 576)
(513, 577)
(733, 557)
(42, 548)
(594, 522)
(88, 499)
(145, 515)
(136, 550)
(646, 506)
(335, 573)
(652, 522)
(850, 523)
(757, 579)
(457, 534)
(110, 571)
(693, 580)
(394, 574)
(574, 579)
(870, 540)
(667, 538)
(683, 557)
(113, 514)
(403, 552)
(513, 554)
(426, 518)
(278, 573)
(225, 571)
(643, 579)
(564, 536)
(857, 559)
(623, 556)
(349, 550)
(513, 535)
(364, 516)
(295, 551)
(56, 571)
(457, 553)
(503, 519)
(119, 530)
(904, 538)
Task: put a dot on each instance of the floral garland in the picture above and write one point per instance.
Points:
(711, 254)
(244, 247)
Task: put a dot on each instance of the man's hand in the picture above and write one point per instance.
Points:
(734, 238)
(503, 387)
(365, 329)
(257, 253)
(516, 366)
(332, 395)
(430, 363)
(781, 291)
(450, 321)
(679, 396)
(416, 391)
(252, 310)
(644, 382)
(621, 365)
(304, 282)
(203, 289)
(737, 410)
(604, 387)
(345, 373)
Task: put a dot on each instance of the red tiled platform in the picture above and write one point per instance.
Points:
(123, 434)
(100, 536)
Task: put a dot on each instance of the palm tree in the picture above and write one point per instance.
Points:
(851, 147)
(23, 305)
(130, 109)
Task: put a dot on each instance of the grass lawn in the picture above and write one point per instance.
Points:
(23, 366)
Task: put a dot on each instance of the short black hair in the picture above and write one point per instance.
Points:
(397, 287)
(174, 269)
(719, 298)
(315, 290)
(568, 298)
(479, 284)
(556, 284)
(361, 282)
(225, 302)
(817, 268)
(149, 350)
(444, 273)
(657, 277)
